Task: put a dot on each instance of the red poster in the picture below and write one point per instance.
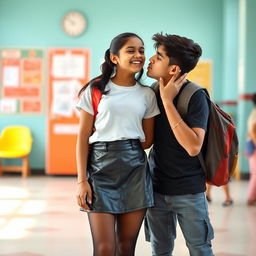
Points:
(22, 80)
(33, 106)
(21, 92)
(31, 72)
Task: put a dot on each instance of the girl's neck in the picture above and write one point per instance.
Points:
(124, 80)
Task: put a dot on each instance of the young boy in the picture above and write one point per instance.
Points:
(178, 178)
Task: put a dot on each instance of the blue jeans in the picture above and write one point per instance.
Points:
(191, 211)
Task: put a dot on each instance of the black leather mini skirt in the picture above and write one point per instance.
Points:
(119, 177)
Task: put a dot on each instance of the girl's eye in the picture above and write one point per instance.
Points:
(132, 51)
(158, 58)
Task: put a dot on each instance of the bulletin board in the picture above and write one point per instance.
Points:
(68, 71)
(21, 80)
(202, 74)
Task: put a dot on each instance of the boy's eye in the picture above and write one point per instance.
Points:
(158, 58)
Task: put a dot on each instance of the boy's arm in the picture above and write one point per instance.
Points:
(191, 139)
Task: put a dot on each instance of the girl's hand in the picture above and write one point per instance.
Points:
(84, 191)
(171, 89)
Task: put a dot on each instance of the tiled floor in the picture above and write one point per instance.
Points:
(39, 217)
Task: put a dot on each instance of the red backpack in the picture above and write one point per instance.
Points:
(220, 159)
(96, 97)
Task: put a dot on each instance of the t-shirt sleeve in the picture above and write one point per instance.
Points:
(152, 108)
(85, 101)
(198, 110)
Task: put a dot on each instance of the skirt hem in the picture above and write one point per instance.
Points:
(117, 212)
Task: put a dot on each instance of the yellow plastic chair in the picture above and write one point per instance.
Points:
(16, 142)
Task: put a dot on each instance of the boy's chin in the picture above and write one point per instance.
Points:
(152, 76)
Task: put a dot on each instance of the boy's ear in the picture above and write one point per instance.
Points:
(174, 69)
(113, 58)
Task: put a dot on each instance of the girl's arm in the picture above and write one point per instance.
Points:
(148, 128)
(82, 149)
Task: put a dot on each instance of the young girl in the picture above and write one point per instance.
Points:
(114, 185)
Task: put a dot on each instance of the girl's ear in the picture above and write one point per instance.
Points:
(174, 69)
(113, 58)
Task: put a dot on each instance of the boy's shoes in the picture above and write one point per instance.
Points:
(227, 203)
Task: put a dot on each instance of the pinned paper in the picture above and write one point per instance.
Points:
(8, 106)
(68, 66)
(11, 76)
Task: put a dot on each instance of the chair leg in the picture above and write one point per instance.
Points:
(25, 166)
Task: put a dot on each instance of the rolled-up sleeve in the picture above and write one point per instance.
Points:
(85, 101)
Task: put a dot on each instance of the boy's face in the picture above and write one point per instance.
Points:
(159, 65)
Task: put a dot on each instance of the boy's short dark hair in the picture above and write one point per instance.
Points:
(181, 51)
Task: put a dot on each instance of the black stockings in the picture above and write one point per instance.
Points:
(115, 235)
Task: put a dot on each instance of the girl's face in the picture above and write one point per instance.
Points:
(131, 56)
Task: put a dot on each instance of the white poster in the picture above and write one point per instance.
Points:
(8, 106)
(65, 128)
(11, 76)
(62, 98)
(68, 66)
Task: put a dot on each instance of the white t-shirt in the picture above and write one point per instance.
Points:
(120, 112)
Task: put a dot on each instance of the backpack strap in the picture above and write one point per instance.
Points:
(182, 107)
(96, 97)
(185, 96)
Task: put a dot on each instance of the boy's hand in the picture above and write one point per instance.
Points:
(171, 89)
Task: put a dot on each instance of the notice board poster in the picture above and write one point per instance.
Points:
(68, 71)
(202, 74)
(21, 81)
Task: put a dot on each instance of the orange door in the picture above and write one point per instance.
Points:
(68, 71)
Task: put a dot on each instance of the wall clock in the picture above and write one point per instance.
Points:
(74, 23)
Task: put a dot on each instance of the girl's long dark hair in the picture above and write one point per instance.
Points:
(108, 67)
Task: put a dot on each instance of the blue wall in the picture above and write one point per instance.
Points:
(37, 24)
(230, 49)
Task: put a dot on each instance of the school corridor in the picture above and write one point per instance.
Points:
(39, 217)
(49, 50)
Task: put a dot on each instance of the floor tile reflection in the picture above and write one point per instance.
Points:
(40, 217)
